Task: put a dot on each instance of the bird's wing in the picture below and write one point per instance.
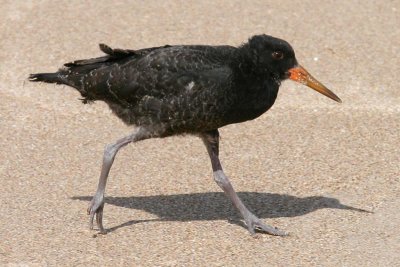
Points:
(201, 99)
(160, 73)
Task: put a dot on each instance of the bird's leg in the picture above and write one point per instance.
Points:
(96, 206)
(211, 140)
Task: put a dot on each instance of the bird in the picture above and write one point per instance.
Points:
(185, 90)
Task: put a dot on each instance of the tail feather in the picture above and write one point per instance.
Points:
(61, 78)
(46, 77)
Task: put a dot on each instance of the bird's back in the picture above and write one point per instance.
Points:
(162, 73)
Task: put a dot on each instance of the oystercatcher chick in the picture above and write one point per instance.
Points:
(185, 89)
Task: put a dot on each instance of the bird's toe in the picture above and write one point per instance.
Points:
(95, 208)
(255, 224)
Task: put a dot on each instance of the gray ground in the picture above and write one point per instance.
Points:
(305, 166)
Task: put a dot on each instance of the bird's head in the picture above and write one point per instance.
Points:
(277, 57)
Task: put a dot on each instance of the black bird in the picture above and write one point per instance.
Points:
(185, 89)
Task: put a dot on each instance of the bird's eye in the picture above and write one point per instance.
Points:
(277, 55)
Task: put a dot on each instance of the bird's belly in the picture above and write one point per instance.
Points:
(175, 115)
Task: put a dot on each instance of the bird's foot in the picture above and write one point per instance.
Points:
(96, 207)
(254, 223)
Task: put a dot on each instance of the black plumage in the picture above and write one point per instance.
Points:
(192, 89)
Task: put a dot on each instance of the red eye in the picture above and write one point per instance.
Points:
(277, 55)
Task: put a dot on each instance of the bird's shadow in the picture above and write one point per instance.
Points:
(216, 206)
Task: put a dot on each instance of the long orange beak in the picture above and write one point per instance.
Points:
(299, 74)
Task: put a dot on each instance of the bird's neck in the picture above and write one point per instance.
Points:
(255, 89)
(246, 64)
(251, 77)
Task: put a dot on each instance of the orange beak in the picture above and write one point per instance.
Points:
(299, 74)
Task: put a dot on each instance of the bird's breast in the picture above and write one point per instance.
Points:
(252, 101)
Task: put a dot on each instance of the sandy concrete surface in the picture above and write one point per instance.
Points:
(305, 166)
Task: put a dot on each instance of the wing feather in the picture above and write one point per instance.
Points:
(157, 72)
